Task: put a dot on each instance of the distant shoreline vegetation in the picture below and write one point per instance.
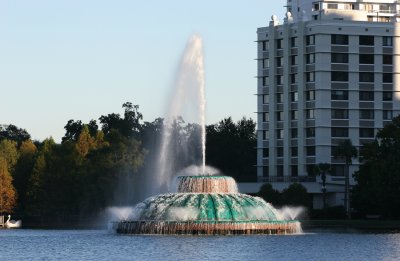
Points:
(104, 162)
(107, 162)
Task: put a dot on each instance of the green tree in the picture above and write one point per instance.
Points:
(378, 179)
(296, 195)
(12, 132)
(129, 126)
(321, 169)
(23, 171)
(269, 194)
(231, 147)
(8, 196)
(8, 150)
(345, 150)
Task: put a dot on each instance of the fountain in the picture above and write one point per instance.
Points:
(206, 202)
(209, 205)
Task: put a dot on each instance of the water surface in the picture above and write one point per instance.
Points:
(26, 244)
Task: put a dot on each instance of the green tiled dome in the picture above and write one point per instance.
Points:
(206, 207)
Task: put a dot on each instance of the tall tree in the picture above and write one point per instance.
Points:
(322, 169)
(9, 151)
(231, 148)
(8, 196)
(23, 171)
(12, 132)
(378, 179)
(345, 150)
(129, 126)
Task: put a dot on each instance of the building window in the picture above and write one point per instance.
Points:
(310, 76)
(310, 150)
(265, 171)
(310, 132)
(279, 97)
(387, 96)
(366, 96)
(366, 77)
(279, 170)
(279, 152)
(279, 44)
(316, 7)
(339, 76)
(293, 78)
(339, 58)
(265, 63)
(366, 59)
(387, 59)
(294, 115)
(310, 58)
(339, 95)
(265, 45)
(387, 41)
(279, 116)
(310, 95)
(339, 39)
(265, 135)
(279, 79)
(387, 78)
(294, 96)
(338, 170)
(279, 133)
(279, 62)
(340, 114)
(265, 153)
(293, 41)
(265, 116)
(293, 151)
(332, 6)
(387, 114)
(310, 170)
(366, 40)
(366, 114)
(265, 80)
(310, 114)
(310, 39)
(367, 133)
(294, 171)
(339, 132)
(294, 133)
(265, 98)
(293, 59)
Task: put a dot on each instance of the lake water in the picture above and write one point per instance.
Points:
(24, 244)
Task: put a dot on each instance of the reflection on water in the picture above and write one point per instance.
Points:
(103, 245)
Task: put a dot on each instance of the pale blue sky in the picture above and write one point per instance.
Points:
(80, 59)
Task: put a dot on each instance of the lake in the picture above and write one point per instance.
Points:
(25, 244)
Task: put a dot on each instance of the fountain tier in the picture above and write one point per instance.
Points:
(206, 205)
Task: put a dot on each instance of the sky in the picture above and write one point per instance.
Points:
(74, 59)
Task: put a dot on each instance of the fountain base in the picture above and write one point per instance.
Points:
(207, 228)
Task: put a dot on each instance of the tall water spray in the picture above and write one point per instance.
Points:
(188, 100)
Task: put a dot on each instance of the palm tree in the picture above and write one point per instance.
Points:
(322, 169)
(345, 150)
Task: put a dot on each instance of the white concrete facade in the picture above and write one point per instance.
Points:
(329, 72)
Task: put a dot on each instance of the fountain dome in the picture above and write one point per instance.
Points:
(205, 205)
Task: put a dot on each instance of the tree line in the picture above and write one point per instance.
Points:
(82, 175)
(102, 163)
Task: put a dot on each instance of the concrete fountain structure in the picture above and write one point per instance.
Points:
(205, 202)
(206, 205)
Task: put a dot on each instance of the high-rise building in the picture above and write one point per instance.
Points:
(330, 71)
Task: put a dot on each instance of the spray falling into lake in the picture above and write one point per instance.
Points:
(188, 100)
